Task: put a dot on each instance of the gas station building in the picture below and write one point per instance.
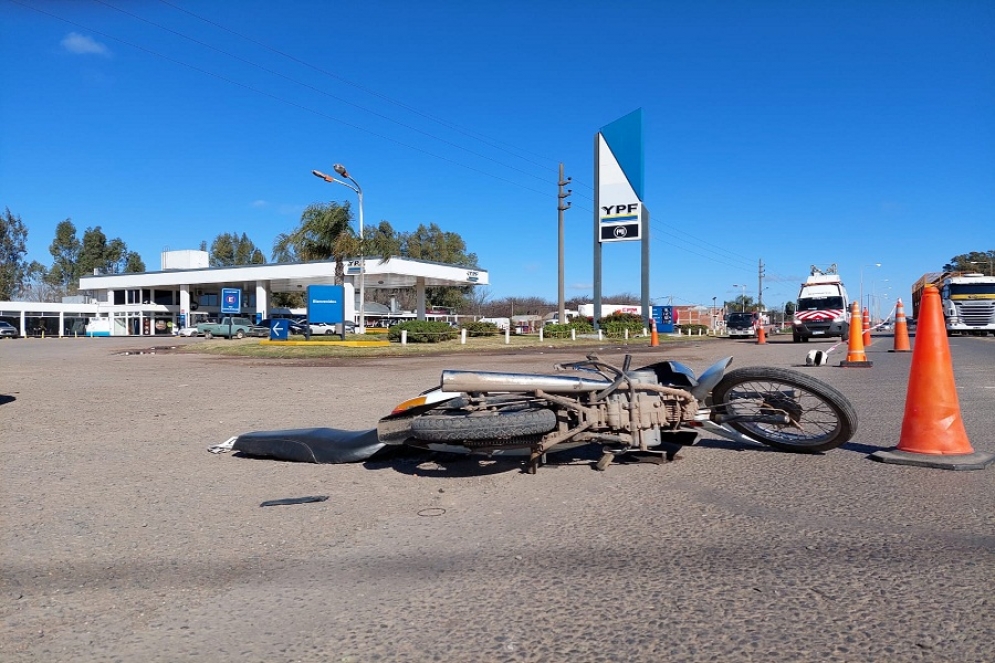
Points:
(186, 290)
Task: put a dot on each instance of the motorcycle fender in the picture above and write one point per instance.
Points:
(711, 377)
(395, 428)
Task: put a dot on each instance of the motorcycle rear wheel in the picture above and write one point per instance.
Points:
(504, 427)
(821, 417)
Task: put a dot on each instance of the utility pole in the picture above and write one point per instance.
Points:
(562, 205)
(760, 287)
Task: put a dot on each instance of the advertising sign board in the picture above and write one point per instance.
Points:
(231, 301)
(325, 303)
(664, 316)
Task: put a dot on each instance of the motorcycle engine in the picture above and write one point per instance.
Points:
(654, 411)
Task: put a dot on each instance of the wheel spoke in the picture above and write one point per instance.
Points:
(812, 420)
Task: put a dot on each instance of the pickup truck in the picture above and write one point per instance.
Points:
(228, 327)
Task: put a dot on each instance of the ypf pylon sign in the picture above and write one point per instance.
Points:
(619, 212)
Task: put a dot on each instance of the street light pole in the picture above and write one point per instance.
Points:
(876, 264)
(742, 303)
(340, 169)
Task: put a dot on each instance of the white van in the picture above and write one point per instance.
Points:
(822, 308)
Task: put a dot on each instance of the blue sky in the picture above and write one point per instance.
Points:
(796, 133)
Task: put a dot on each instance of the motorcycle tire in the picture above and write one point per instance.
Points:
(501, 426)
(822, 417)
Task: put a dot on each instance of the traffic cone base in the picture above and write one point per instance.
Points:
(933, 433)
(977, 460)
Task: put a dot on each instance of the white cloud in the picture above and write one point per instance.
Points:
(259, 203)
(83, 45)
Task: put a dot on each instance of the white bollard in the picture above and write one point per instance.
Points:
(404, 337)
(540, 334)
(573, 334)
(601, 336)
(462, 336)
(507, 335)
(646, 332)
(627, 333)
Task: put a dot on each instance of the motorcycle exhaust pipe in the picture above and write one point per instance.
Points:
(487, 381)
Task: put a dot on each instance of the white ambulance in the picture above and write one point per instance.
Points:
(822, 308)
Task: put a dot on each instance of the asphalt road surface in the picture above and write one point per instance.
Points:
(123, 539)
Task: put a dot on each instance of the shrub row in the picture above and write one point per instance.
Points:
(423, 331)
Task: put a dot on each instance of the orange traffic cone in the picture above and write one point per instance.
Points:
(867, 329)
(901, 330)
(933, 433)
(761, 335)
(654, 335)
(855, 357)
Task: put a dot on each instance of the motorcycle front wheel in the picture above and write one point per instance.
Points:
(820, 417)
(505, 426)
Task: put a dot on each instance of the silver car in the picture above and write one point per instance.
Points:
(8, 330)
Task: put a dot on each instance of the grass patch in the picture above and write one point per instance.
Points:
(252, 348)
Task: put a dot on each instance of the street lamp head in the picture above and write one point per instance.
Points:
(318, 173)
(340, 169)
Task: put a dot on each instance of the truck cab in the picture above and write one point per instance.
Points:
(741, 325)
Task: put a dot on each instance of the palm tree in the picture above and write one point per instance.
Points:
(326, 233)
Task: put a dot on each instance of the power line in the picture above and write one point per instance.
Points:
(316, 89)
(277, 98)
(496, 144)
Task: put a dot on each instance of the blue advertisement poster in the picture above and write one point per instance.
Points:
(325, 303)
(664, 316)
(231, 301)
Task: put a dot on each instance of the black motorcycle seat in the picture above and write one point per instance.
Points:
(310, 445)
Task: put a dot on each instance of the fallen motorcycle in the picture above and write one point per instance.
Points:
(649, 409)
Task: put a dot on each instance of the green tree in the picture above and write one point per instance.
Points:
(93, 254)
(433, 244)
(100, 256)
(975, 261)
(133, 263)
(325, 233)
(230, 249)
(14, 268)
(65, 249)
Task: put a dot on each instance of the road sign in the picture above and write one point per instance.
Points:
(231, 301)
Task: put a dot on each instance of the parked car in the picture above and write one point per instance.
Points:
(228, 327)
(8, 330)
(188, 331)
(261, 330)
(329, 329)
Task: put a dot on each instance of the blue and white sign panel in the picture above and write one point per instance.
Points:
(620, 179)
(620, 223)
(325, 303)
(231, 301)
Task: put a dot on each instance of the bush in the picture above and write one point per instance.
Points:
(614, 325)
(480, 328)
(423, 331)
(692, 330)
(582, 325)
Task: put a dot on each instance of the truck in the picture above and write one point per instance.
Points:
(742, 324)
(967, 298)
(822, 308)
(228, 327)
